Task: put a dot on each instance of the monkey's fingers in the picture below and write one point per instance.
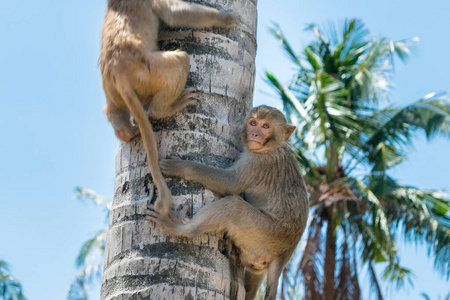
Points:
(170, 167)
(151, 214)
(151, 207)
(151, 211)
(190, 95)
(192, 102)
(190, 90)
(171, 157)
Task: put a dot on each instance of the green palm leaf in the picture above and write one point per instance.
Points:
(276, 32)
(431, 114)
(10, 287)
(89, 261)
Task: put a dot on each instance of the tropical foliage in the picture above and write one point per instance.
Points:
(348, 138)
(426, 297)
(89, 261)
(10, 288)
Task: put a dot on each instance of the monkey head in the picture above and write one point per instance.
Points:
(266, 129)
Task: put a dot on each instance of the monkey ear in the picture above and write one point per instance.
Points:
(289, 130)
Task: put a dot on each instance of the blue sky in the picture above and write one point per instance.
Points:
(56, 137)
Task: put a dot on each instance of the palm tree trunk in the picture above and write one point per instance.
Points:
(330, 259)
(141, 262)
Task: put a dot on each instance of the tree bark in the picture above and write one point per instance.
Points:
(141, 262)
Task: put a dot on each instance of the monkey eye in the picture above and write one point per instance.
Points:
(252, 123)
(266, 126)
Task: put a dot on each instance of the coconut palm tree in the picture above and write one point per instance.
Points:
(347, 140)
(141, 262)
(10, 287)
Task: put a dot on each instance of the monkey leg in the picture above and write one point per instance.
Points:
(170, 221)
(273, 275)
(252, 283)
(159, 109)
(118, 116)
(239, 219)
(187, 97)
(244, 224)
(168, 71)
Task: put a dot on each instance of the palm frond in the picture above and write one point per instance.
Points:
(10, 287)
(379, 219)
(400, 276)
(403, 48)
(425, 296)
(87, 194)
(431, 114)
(310, 262)
(375, 286)
(424, 215)
(78, 290)
(275, 30)
(308, 166)
(385, 156)
(287, 97)
(318, 33)
(347, 287)
(92, 247)
(89, 261)
(90, 264)
(355, 42)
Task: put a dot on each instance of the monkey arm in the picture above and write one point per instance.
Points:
(177, 13)
(222, 181)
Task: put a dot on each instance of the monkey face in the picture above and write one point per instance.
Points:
(259, 132)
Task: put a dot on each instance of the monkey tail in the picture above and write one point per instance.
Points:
(133, 103)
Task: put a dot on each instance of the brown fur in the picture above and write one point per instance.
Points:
(135, 73)
(268, 224)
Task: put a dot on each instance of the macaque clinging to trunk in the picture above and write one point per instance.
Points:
(267, 226)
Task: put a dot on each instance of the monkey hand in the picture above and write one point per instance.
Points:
(173, 166)
(171, 222)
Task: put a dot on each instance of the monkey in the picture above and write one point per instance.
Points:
(265, 227)
(136, 74)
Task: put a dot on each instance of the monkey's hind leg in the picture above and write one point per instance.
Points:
(169, 69)
(119, 117)
(252, 283)
(187, 97)
(273, 274)
(230, 214)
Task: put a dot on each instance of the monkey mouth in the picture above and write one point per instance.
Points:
(255, 141)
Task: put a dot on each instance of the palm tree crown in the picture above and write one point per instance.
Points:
(346, 142)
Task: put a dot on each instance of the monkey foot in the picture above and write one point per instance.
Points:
(151, 214)
(189, 95)
(170, 221)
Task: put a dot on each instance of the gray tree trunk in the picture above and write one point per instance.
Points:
(141, 262)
